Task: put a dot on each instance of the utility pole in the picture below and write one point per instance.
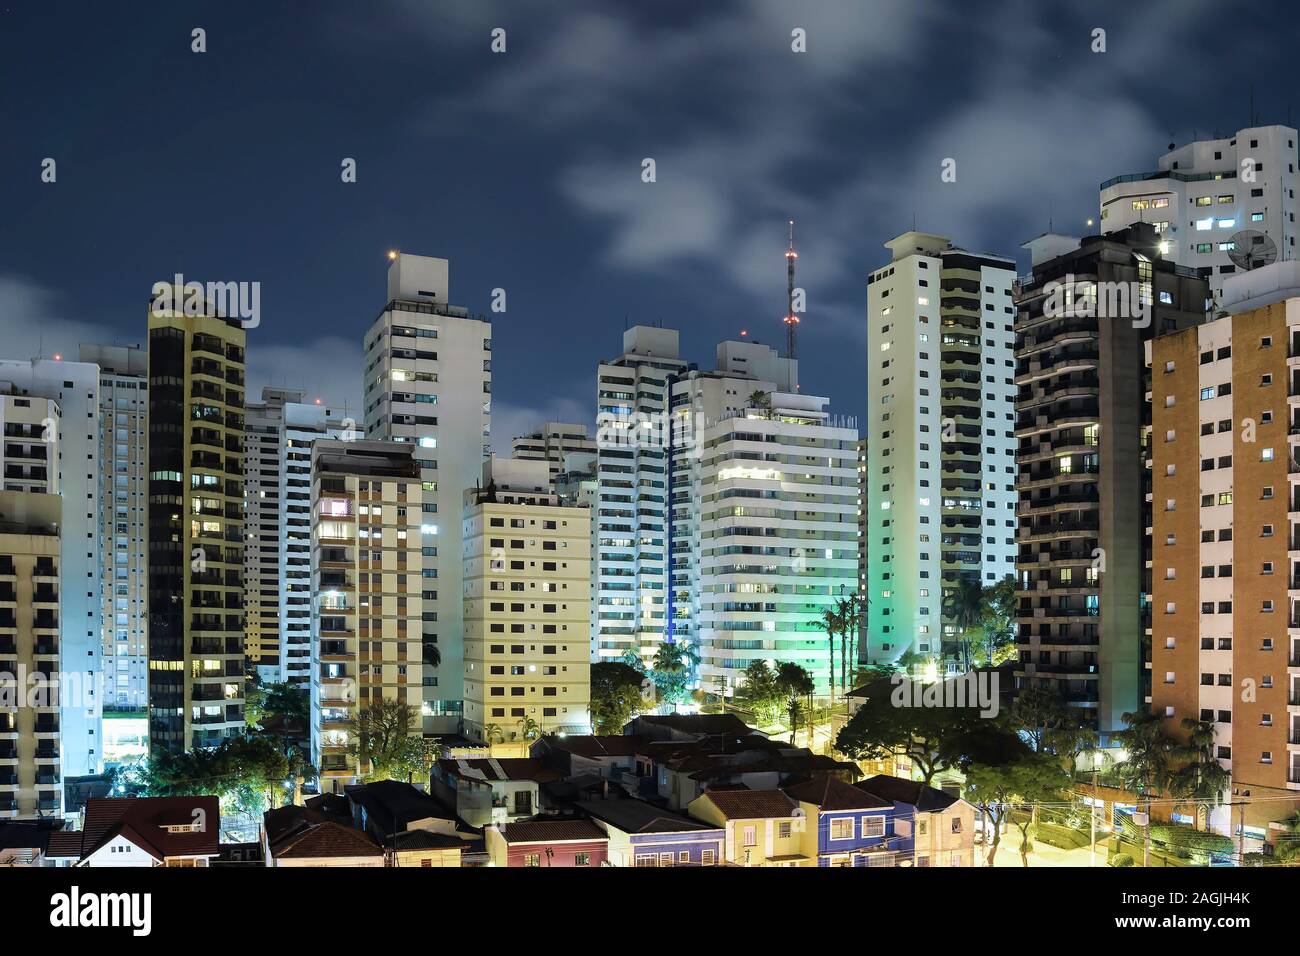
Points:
(1092, 816)
(1146, 832)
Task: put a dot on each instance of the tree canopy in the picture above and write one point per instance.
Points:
(615, 695)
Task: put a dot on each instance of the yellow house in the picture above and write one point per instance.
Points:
(424, 848)
(762, 827)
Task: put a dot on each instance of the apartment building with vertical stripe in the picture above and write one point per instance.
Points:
(373, 582)
(629, 525)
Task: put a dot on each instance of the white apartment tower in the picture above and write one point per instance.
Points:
(940, 495)
(124, 520)
(428, 382)
(279, 432)
(74, 386)
(629, 524)
(1204, 195)
(764, 516)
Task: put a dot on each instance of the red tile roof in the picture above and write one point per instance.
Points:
(831, 793)
(327, 840)
(750, 804)
(552, 831)
(143, 820)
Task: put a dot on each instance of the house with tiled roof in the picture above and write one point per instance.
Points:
(644, 835)
(491, 791)
(614, 756)
(846, 826)
(141, 832)
(548, 843)
(935, 828)
(760, 827)
(685, 769)
(294, 836)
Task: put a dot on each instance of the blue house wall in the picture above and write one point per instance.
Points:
(827, 847)
(692, 843)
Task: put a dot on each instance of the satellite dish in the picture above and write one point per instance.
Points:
(1252, 249)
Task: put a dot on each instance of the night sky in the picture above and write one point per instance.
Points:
(524, 168)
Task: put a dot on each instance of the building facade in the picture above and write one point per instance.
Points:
(1081, 420)
(368, 586)
(196, 514)
(527, 605)
(629, 576)
(31, 768)
(75, 454)
(1225, 484)
(124, 525)
(1204, 194)
(279, 432)
(551, 443)
(764, 519)
(428, 383)
(940, 480)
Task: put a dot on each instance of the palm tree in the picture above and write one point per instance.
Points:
(1146, 769)
(830, 623)
(529, 727)
(678, 660)
(847, 610)
(493, 732)
(796, 684)
(432, 656)
(761, 399)
(966, 608)
(1287, 840)
(1201, 778)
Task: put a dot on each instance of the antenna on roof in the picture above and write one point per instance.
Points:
(791, 319)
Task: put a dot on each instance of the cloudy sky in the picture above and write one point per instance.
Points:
(524, 167)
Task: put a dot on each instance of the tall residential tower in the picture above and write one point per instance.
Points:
(196, 528)
(428, 382)
(940, 483)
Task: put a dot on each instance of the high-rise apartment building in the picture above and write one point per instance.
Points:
(1204, 194)
(278, 435)
(863, 550)
(428, 382)
(75, 453)
(551, 443)
(123, 525)
(941, 475)
(31, 775)
(196, 517)
(527, 596)
(763, 531)
(1081, 425)
(1225, 484)
(373, 582)
(629, 583)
